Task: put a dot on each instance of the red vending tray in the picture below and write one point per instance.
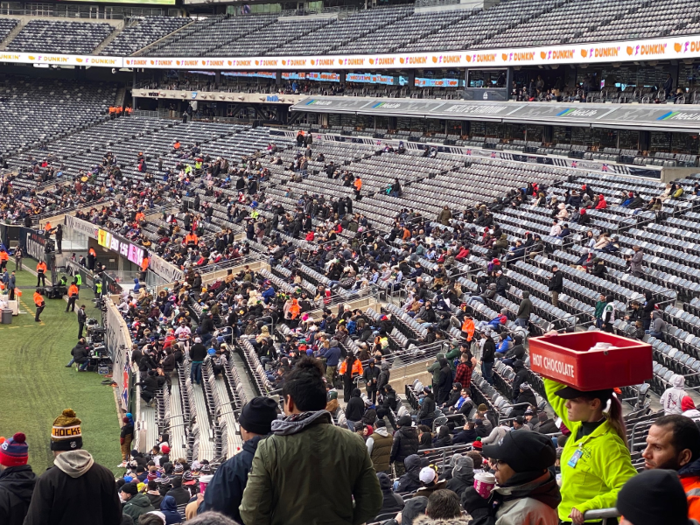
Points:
(571, 359)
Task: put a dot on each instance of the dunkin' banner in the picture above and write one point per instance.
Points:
(676, 48)
(619, 51)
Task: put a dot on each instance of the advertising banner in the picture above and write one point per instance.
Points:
(665, 48)
(162, 268)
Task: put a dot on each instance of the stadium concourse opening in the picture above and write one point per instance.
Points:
(412, 263)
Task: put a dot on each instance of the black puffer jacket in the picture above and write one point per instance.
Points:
(16, 488)
(405, 443)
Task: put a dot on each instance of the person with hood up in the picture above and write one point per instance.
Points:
(76, 489)
(379, 446)
(309, 469)
(405, 443)
(601, 203)
(462, 476)
(657, 325)
(16, 480)
(444, 216)
(524, 311)
(447, 471)
(426, 415)
(672, 398)
(526, 491)
(225, 490)
(444, 381)
(136, 503)
(392, 502)
(169, 509)
(410, 481)
(434, 368)
(689, 409)
(371, 375)
(526, 395)
(355, 409)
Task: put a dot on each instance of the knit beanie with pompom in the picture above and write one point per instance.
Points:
(66, 433)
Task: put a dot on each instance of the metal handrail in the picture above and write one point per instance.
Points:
(601, 514)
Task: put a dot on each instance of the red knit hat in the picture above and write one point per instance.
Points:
(477, 445)
(687, 403)
(14, 452)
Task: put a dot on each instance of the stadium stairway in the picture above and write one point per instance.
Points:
(15, 31)
(107, 41)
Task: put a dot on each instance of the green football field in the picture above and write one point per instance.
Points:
(35, 385)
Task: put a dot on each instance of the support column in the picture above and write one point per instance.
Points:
(548, 134)
(411, 80)
(278, 78)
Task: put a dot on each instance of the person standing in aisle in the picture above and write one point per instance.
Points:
(556, 285)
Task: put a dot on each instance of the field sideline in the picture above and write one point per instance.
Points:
(35, 385)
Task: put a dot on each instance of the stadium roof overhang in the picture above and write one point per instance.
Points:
(652, 117)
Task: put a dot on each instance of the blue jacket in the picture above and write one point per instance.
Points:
(225, 491)
(269, 294)
(169, 509)
(332, 355)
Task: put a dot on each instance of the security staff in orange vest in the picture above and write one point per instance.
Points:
(41, 273)
(4, 257)
(39, 302)
(72, 296)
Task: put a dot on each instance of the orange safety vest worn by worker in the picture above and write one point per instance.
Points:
(4, 256)
(38, 299)
(356, 368)
(144, 264)
(468, 327)
(47, 226)
(191, 238)
(73, 291)
(358, 184)
(691, 485)
(41, 267)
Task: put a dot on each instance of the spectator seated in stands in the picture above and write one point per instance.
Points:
(526, 490)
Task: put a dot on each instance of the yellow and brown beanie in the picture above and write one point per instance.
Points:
(66, 433)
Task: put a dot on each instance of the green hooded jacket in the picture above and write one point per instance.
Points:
(310, 471)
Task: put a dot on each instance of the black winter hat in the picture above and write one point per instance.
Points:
(654, 497)
(524, 451)
(257, 416)
(129, 488)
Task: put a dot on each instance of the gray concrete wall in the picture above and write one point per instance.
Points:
(671, 174)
